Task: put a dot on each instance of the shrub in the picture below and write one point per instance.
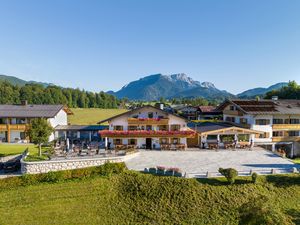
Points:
(152, 170)
(53, 177)
(82, 173)
(229, 173)
(254, 177)
(261, 210)
(108, 168)
(30, 179)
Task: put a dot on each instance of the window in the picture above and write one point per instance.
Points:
(3, 120)
(175, 127)
(262, 122)
(230, 119)
(150, 115)
(117, 141)
(278, 133)
(22, 135)
(118, 127)
(132, 127)
(295, 121)
(293, 133)
(132, 141)
(243, 121)
(175, 141)
(277, 121)
(232, 108)
(148, 127)
(264, 135)
(20, 121)
(162, 127)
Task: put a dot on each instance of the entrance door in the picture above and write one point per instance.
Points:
(148, 143)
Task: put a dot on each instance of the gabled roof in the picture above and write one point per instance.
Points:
(206, 108)
(139, 108)
(264, 106)
(32, 111)
(206, 128)
(80, 127)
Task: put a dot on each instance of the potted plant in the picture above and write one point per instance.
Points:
(160, 170)
(177, 172)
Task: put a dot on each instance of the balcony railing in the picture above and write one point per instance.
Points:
(286, 138)
(148, 121)
(286, 126)
(146, 133)
(6, 127)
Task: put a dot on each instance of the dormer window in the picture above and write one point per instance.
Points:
(232, 108)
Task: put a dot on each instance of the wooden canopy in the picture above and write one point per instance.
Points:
(231, 130)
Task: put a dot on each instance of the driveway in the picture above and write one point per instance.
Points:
(200, 162)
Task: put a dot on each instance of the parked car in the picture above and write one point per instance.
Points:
(12, 165)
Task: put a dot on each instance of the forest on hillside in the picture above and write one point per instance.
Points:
(38, 94)
(291, 91)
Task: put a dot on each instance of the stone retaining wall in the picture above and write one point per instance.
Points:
(68, 164)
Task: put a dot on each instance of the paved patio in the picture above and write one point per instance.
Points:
(199, 161)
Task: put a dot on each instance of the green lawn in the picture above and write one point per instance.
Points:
(92, 116)
(297, 160)
(134, 198)
(14, 149)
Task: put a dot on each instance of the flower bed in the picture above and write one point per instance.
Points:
(118, 133)
(163, 171)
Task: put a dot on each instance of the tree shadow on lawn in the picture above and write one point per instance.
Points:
(295, 214)
(222, 181)
(284, 180)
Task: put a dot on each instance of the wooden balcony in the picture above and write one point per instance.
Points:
(147, 134)
(232, 112)
(17, 127)
(286, 126)
(286, 138)
(3, 127)
(148, 121)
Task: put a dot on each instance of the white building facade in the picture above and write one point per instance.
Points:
(15, 120)
(147, 127)
(278, 119)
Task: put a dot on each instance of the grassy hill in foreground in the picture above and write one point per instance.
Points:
(134, 198)
(92, 116)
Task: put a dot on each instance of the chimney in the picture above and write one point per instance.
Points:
(23, 102)
(275, 98)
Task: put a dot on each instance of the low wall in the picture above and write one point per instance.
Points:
(68, 164)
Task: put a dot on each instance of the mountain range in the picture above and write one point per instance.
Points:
(153, 87)
(261, 91)
(181, 86)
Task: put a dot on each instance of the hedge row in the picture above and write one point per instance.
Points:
(106, 169)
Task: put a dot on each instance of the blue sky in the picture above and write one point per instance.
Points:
(102, 45)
